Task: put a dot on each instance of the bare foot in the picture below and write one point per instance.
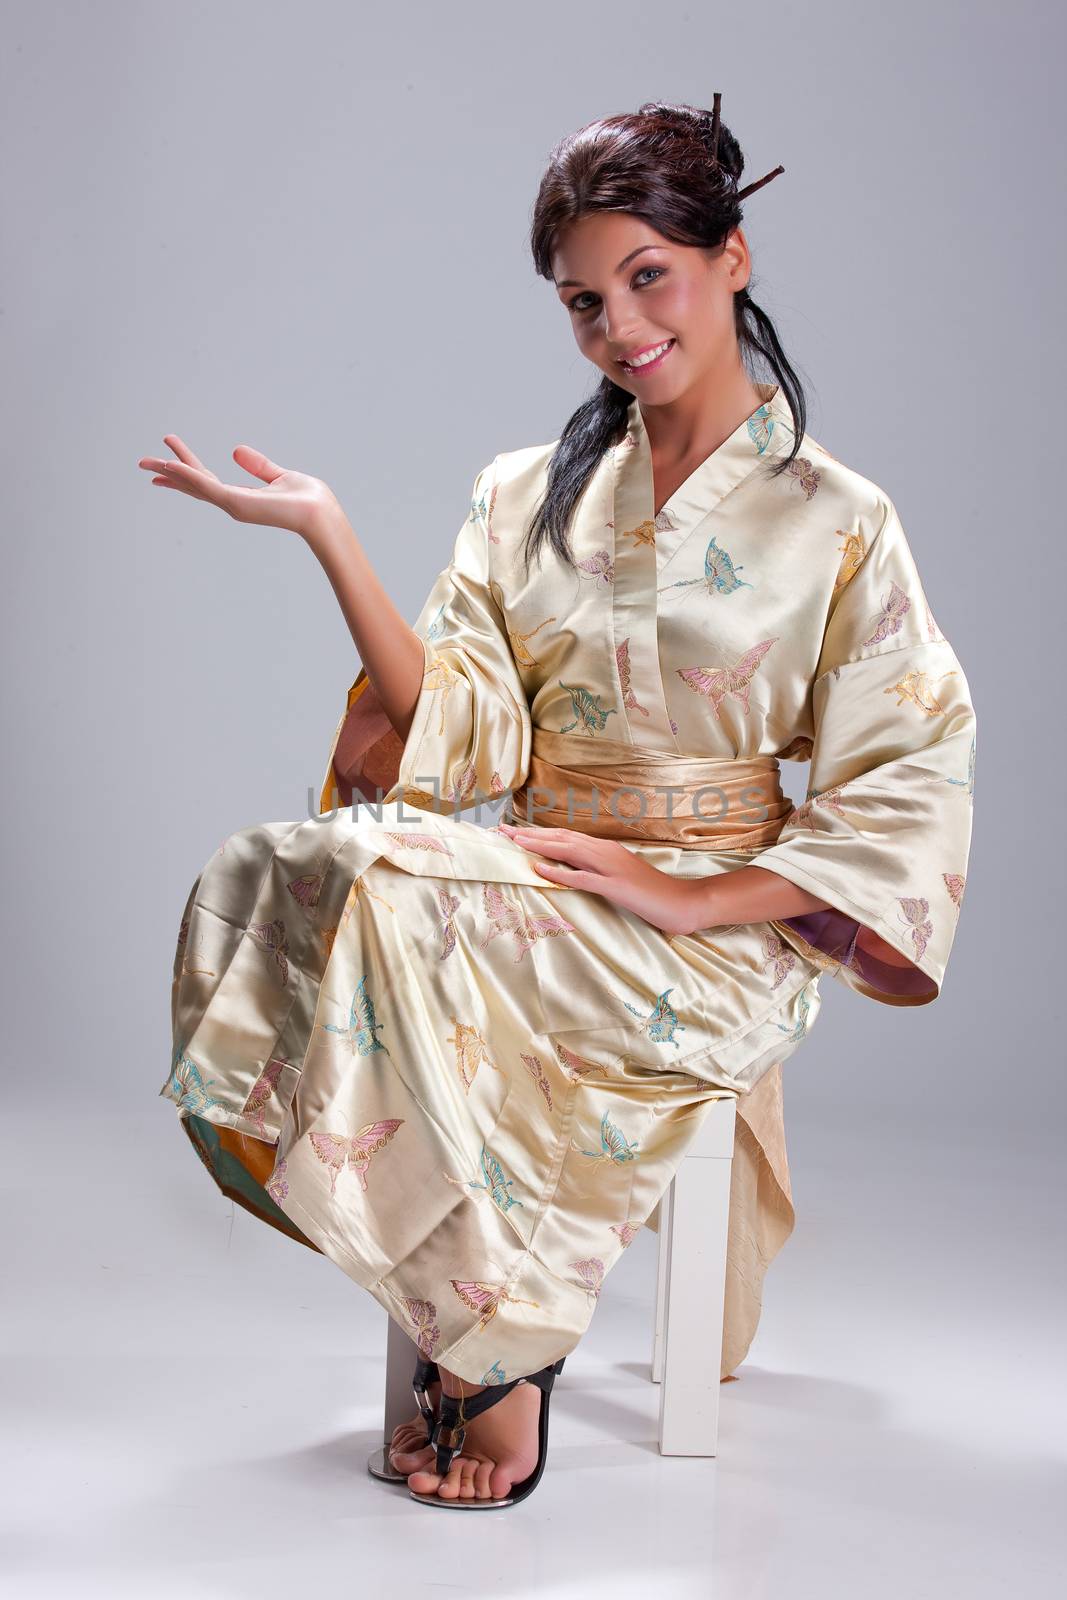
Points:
(500, 1448)
(408, 1448)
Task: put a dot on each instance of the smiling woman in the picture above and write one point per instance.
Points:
(474, 1059)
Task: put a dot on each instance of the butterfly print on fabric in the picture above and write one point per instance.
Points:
(187, 971)
(509, 918)
(464, 782)
(574, 1067)
(917, 688)
(306, 889)
(967, 782)
(261, 1092)
(852, 553)
(761, 428)
(423, 1316)
(892, 614)
(622, 661)
(486, 1298)
(440, 676)
(643, 534)
(915, 912)
(277, 1185)
(587, 709)
(615, 1149)
(803, 816)
(496, 1374)
(522, 656)
(361, 1033)
(536, 1070)
(808, 477)
(801, 1027)
(955, 883)
(447, 904)
(436, 627)
(336, 1150)
(359, 886)
(777, 953)
(419, 841)
(186, 1085)
(718, 682)
(271, 938)
(627, 1231)
(495, 1184)
(471, 1051)
(599, 566)
(719, 575)
(591, 1272)
(662, 1023)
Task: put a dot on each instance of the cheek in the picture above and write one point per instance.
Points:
(698, 315)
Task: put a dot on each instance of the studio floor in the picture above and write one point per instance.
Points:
(189, 1397)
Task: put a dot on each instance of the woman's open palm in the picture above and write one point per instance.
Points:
(292, 500)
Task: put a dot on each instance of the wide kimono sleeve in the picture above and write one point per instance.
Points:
(884, 833)
(470, 737)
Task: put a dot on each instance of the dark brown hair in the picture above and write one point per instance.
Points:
(677, 167)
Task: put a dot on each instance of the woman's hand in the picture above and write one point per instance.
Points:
(583, 861)
(291, 500)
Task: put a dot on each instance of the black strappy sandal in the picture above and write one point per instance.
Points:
(379, 1465)
(457, 1410)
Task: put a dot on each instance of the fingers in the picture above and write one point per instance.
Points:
(255, 462)
(182, 451)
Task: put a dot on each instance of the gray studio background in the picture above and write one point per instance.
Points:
(304, 228)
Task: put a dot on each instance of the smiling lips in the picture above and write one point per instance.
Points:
(649, 358)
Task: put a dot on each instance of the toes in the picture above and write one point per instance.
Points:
(449, 1486)
(466, 1479)
(482, 1475)
(424, 1481)
(409, 1461)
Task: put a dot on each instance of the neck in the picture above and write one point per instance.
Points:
(697, 422)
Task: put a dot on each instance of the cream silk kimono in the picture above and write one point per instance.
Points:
(468, 1086)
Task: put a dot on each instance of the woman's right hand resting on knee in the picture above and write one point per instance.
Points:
(389, 649)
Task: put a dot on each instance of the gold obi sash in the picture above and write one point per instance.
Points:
(620, 791)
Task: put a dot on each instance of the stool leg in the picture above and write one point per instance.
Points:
(659, 1331)
(696, 1240)
(399, 1365)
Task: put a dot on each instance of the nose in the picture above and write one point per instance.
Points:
(619, 327)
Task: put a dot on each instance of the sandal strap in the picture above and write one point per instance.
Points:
(425, 1373)
(448, 1420)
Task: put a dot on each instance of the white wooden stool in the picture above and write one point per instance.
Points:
(694, 1216)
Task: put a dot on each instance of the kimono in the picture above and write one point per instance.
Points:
(469, 1086)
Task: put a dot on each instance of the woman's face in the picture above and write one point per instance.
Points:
(627, 289)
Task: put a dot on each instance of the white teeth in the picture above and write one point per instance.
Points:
(649, 355)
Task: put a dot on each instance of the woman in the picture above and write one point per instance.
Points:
(465, 1062)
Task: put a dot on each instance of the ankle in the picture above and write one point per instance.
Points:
(456, 1386)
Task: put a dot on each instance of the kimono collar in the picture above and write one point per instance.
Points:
(763, 433)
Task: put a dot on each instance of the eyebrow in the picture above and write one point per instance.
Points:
(576, 283)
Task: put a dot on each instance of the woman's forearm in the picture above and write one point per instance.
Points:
(752, 894)
(758, 894)
(388, 647)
